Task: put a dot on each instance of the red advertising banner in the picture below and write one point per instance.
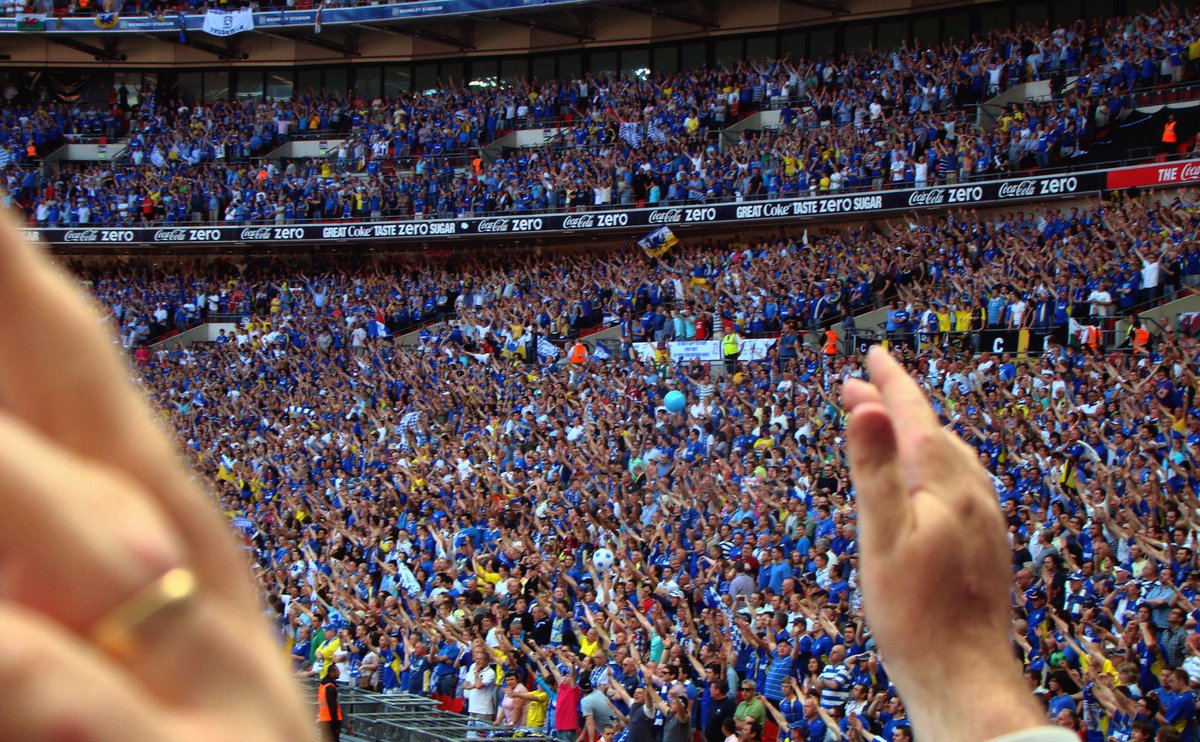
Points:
(1158, 174)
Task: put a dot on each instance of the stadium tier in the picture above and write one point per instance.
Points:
(948, 266)
(615, 223)
(907, 118)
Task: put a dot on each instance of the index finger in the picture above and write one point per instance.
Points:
(926, 453)
(905, 401)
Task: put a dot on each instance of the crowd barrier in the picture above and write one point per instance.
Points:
(410, 718)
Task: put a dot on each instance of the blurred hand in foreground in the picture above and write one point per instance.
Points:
(98, 508)
(935, 563)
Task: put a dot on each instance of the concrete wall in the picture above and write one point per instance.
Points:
(867, 321)
(1169, 312)
(205, 333)
(756, 122)
(753, 122)
(516, 139)
(87, 152)
(608, 333)
(306, 148)
(989, 112)
(412, 339)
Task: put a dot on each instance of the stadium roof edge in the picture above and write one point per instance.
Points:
(38, 24)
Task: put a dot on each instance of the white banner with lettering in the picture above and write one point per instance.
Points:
(228, 22)
(685, 351)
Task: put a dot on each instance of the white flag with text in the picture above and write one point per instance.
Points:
(228, 22)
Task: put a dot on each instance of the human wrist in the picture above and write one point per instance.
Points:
(940, 709)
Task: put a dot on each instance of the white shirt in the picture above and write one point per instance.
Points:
(481, 700)
(1018, 311)
(1100, 301)
(1150, 274)
(957, 379)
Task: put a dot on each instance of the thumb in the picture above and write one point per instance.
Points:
(875, 472)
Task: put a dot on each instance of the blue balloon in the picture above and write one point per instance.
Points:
(675, 401)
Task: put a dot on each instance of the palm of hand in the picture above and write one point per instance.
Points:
(935, 560)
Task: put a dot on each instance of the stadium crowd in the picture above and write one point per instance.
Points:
(951, 274)
(895, 118)
(427, 518)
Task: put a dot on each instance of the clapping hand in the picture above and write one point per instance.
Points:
(935, 556)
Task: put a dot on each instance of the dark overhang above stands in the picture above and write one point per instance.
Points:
(372, 15)
(431, 28)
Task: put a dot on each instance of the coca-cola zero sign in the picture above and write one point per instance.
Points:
(678, 215)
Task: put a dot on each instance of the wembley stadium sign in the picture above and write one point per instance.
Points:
(765, 212)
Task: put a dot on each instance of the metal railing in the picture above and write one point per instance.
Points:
(410, 718)
(1152, 93)
(1110, 338)
(237, 318)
